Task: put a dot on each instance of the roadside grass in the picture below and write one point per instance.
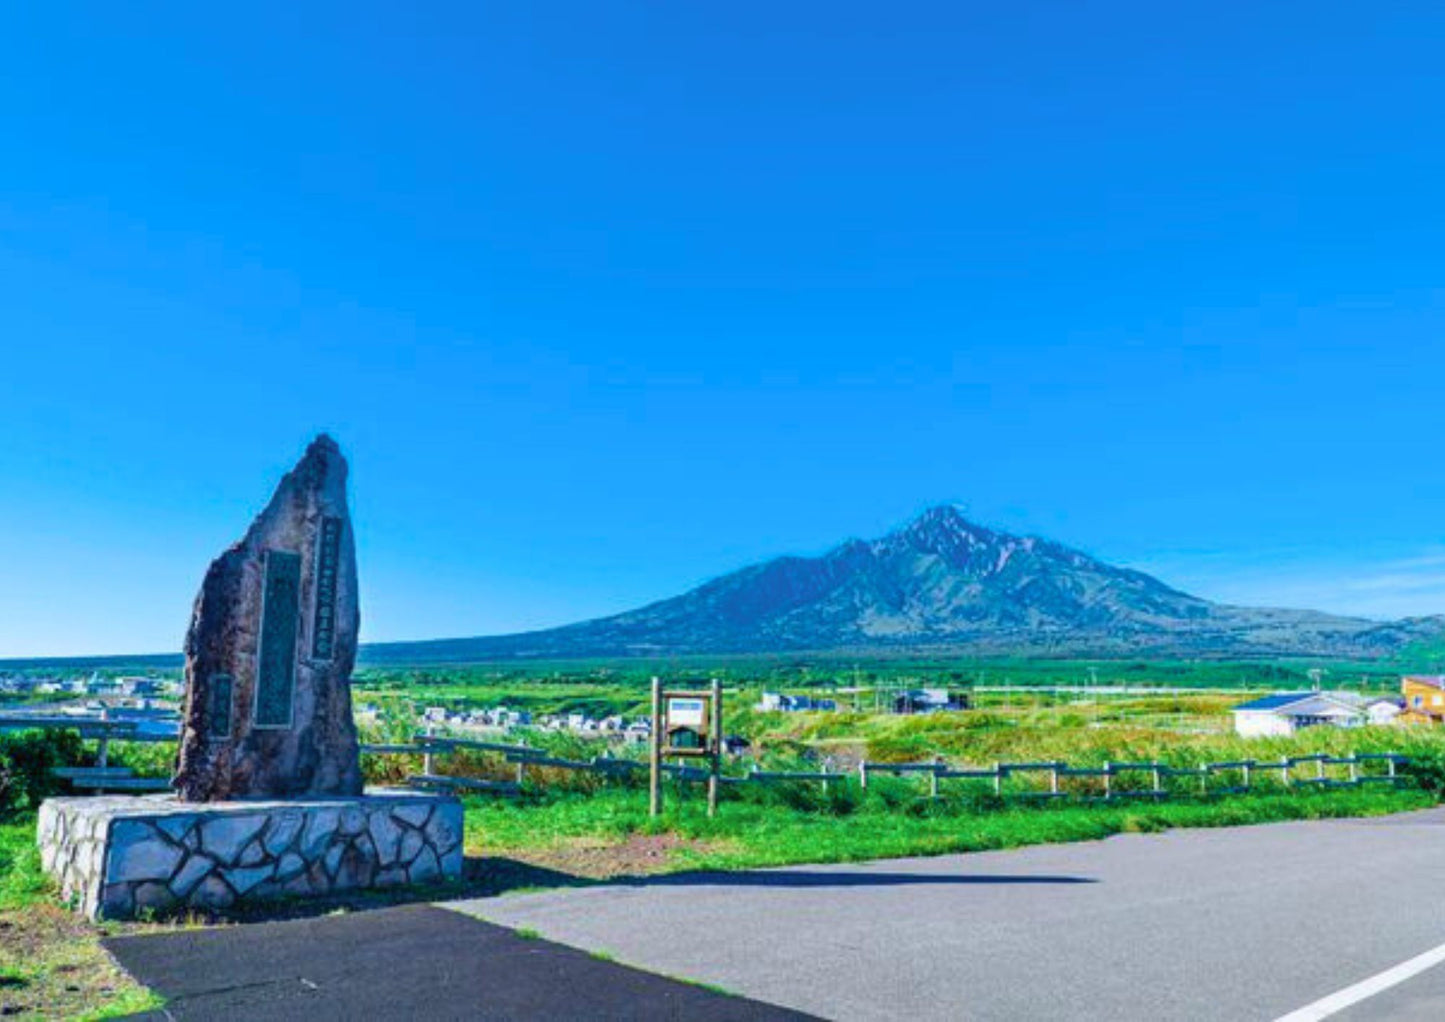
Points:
(748, 835)
(51, 963)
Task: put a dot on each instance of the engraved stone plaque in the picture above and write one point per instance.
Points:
(220, 705)
(276, 656)
(328, 557)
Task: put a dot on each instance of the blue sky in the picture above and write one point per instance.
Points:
(606, 299)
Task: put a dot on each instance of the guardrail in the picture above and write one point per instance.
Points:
(102, 777)
(125, 729)
(1114, 777)
(1158, 773)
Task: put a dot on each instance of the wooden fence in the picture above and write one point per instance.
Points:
(1114, 779)
(102, 777)
(1050, 779)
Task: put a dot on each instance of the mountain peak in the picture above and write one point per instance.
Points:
(942, 581)
(944, 528)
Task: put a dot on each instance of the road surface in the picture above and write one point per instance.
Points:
(413, 962)
(1295, 920)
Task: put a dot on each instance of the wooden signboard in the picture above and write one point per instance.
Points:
(686, 724)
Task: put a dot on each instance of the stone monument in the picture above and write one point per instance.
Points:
(270, 650)
(269, 798)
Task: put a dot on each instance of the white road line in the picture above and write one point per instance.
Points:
(1378, 983)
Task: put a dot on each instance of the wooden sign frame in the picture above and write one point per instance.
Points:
(707, 724)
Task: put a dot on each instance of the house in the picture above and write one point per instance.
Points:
(638, 731)
(1284, 713)
(1385, 710)
(778, 702)
(1424, 696)
(929, 700)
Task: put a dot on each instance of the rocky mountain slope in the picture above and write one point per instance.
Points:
(941, 583)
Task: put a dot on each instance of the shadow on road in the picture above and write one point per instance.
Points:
(488, 876)
(482, 877)
(827, 878)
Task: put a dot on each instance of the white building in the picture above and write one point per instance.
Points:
(1384, 710)
(779, 702)
(1284, 713)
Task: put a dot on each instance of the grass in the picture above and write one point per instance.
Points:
(51, 961)
(52, 964)
(750, 834)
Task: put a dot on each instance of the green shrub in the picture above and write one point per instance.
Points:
(26, 761)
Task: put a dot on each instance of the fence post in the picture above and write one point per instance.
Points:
(1390, 766)
(715, 760)
(1319, 768)
(427, 762)
(1245, 767)
(827, 769)
(1054, 778)
(1284, 768)
(998, 778)
(1203, 779)
(1354, 771)
(102, 752)
(1158, 787)
(654, 754)
(863, 774)
(1108, 779)
(933, 777)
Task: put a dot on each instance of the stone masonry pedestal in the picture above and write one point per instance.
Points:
(116, 857)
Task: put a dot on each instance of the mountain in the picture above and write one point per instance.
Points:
(940, 583)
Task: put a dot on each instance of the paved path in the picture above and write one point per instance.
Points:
(1240, 923)
(415, 962)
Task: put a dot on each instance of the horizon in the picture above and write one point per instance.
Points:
(604, 303)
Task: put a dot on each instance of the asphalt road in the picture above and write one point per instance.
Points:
(1242, 923)
(413, 962)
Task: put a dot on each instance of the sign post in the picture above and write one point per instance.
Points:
(686, 723)
(717, 726)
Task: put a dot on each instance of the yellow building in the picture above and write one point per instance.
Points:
(1424, 699)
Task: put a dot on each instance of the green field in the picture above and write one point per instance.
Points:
(1176, 712)
(571, 827)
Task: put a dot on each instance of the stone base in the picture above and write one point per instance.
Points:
(118, 856)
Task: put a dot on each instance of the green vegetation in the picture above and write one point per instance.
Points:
(26, 761)
(564, 686)
(575, 830)
(571, 826)
(51, 961)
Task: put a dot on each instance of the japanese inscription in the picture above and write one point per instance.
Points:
(220, 708)
(276, 657)
(328, 557)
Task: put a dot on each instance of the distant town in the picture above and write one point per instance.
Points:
(154, 702)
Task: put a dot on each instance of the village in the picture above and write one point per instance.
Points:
(1421, 701)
